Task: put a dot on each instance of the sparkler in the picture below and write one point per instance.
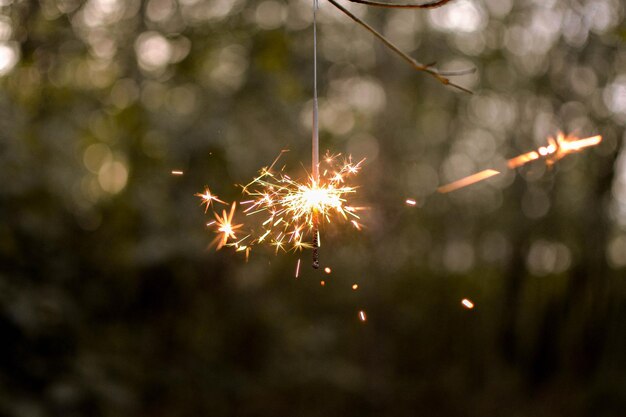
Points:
(292, 211)
(556, 150)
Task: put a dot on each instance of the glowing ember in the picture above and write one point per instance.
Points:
(298, 268)
(327, 270)
(362, 316)
(175, 172)
(355, 286)
(322, 283)
(410, 202)
(556, 150)
(467, 304)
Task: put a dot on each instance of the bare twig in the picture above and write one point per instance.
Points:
(441, 76)
(428, 5)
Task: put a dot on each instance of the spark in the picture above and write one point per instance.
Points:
(208, 198)
(298, 268)
(225, 227)
(556, 149)
(355, 287)
(177, 172)
(410, 202)
(283, 212)
(327, 270)
(467, 304)
(322, 283)
(362, 316)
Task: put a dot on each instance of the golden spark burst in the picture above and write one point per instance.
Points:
(556, 150)
(208, 198)
(225, 227)
(282, 212)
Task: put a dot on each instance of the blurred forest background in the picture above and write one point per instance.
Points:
(112, 304)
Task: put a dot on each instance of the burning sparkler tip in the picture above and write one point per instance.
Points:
(294, 209)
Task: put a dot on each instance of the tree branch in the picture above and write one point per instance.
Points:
(441, 76)
(429, 5)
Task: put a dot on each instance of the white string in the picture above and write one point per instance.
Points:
(316, 139)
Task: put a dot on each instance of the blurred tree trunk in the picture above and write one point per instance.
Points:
(588, 299)
(574, 323)
(508, 323)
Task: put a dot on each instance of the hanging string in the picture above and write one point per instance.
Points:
(316, 151)
(315, 154)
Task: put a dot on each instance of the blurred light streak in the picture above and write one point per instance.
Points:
(467, 304)
(464, 182)
(556, 150)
